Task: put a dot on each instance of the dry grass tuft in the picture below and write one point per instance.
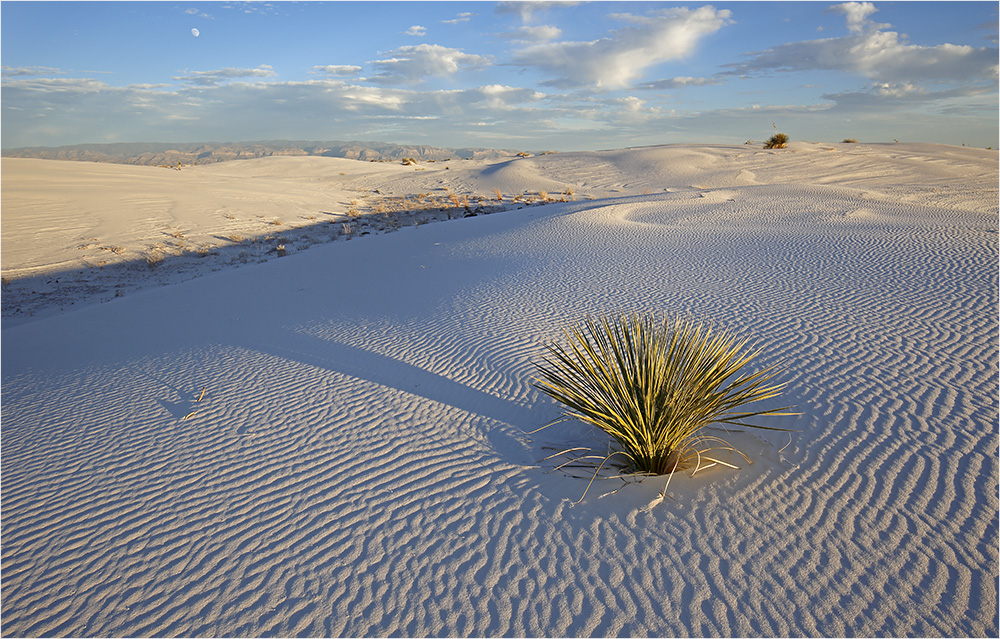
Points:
(154, 258)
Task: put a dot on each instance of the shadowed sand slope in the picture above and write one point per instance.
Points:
(334, 443)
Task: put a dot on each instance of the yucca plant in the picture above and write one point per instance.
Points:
(654, 385)
(776, 141)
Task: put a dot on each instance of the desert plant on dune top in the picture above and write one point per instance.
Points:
(653, 386)
(850, 141)
(776, 141)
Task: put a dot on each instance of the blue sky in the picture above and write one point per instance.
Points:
(530, 75)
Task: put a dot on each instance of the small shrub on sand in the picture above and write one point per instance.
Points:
(776, 141)
(850, 141)
(653, 386)
(154, 258)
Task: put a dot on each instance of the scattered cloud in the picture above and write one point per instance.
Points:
(413, 64)
(528, 33)
(526, 10)
(47, 110)
(29, 71)
(616, 61)
(198, 13)
(993, 36)
(879, 55)
(212, 78)
(677, 83)
(59, 110)
(857, 16)
(889, 95)
(465, 16)
(498, 97)
(339, 70)
(251, 8)
(897, 87)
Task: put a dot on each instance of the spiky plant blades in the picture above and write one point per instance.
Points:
(654, 385)
(776, 141)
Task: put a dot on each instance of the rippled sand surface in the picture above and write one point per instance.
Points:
(334, 442)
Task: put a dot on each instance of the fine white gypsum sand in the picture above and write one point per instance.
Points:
(332, 443)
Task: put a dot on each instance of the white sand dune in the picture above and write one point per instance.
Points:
(357, 464)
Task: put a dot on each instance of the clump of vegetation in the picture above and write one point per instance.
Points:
(653, 386)
(154, 258)
(850, 141)
(776, 141)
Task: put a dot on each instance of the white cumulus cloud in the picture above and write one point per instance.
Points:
(412, 64)
(878, 55)
(857, 15)
(875, 53)
(416, 30)
(618, 60)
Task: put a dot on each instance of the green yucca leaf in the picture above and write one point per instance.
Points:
(652, 386)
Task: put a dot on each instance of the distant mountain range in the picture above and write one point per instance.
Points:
(158, 153)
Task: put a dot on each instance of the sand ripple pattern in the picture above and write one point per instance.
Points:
(357, 465)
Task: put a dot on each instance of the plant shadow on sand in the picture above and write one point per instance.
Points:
(507, 425)
(505, 417)
(504, 424)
